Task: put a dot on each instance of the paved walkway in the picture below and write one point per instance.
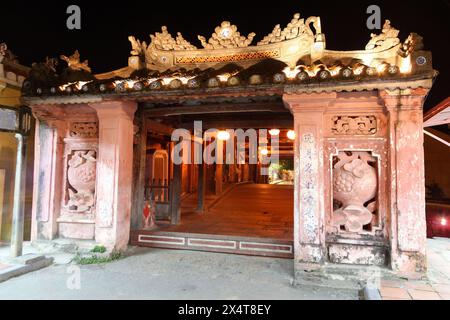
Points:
(437, 287)
(169, 274)
(172, 274)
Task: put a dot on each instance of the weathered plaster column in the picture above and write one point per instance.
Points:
(309, 216)
(19, 197)
(408, 220)
(48, 175)
(114, 173)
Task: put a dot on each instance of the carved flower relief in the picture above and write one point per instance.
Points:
(81, 176)
(83, 130)
(226, 36)
(354, 184)
(366, 125)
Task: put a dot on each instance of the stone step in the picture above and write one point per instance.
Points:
(33, 264)
(352, 277)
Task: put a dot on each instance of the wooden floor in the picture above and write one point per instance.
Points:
(248, 219)
(249, 210)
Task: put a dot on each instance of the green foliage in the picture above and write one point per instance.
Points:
(95, 259)
(99, 249)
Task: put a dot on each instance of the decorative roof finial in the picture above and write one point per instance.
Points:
(226, 36)
(74, 63)
(387, 39)
(3, 49)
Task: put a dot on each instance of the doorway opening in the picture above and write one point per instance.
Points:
(243, 208)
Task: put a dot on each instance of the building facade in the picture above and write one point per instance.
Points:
(356, 118)
(12, 75)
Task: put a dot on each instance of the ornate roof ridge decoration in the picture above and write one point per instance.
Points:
(73, 62)
(226, 36)
(294, 29)
(295, 56)
(3, 49)
(6, 54)
(227, 45)
(388, 38)
(165, 41)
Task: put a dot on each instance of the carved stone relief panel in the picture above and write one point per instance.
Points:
(83, 130)
(357, 196)
(355, 182)
(81, 178)
(354, 125)
(80, 171)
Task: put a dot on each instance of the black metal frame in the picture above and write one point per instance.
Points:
(24, 116)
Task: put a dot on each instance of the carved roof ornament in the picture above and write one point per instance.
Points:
(295, 56)
(164, 41)
(51, 63)
(7, 54)
(3, 49)
(294, 29)
(74, 63)
(414, 42)
(226, 36)
(138, 48)
(387, 39)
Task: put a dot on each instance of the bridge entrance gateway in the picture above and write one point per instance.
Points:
(344, 126)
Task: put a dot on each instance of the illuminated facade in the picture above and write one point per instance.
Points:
(356, 118)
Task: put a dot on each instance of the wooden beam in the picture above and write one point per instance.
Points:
(158, 127)
(276, 107)
(237, 123)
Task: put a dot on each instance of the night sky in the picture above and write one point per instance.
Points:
(34, 30)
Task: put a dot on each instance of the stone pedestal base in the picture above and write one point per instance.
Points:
(337, 276)
(410, 265)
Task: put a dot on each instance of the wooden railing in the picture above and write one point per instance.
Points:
(158, 190)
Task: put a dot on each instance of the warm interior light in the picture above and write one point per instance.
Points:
(130, 83)
(381, 68)
(291, 135)
(78, 84)
(264, 152)
(224, 77)
(405, 65)
(443, 222)
(274, 132)
(334, 71)
(291, 73)
(223, 135)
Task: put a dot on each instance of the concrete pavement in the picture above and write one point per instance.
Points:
(169, 274)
